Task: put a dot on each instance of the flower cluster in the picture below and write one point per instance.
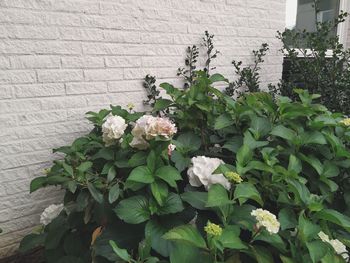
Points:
(148, 127)
(346, 121)
(113, 129)
(338, 246)
(267, 220)
(50, 213)
(213, 229)
(201, 173)
(234, 177)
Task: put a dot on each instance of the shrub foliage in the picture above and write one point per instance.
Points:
(123, 204)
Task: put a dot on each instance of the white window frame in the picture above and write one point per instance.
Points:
(342, 32)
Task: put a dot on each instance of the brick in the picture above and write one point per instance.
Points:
(33, 62)
(123, 61)
(42, 117)
(74, 33)
(82, 62)
(28, 32)
(63, 102)
(103, 74)
(119, 36)
(123, 86)
(39, 90)
(17, 76)
(5, 92)
(60, 75)
(86, 88)
(15, 106)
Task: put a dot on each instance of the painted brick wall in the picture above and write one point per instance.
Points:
(61, 58)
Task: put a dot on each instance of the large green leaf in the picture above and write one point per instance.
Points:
(162, 104)
(245, 191)
(122, 253)
(113, 194)
(188, 142)
(133, 210)
(283, 132)
(37, 183)
(141, 174)
(183, 253)
(83, 167)
(307, 229)
(188, 234)
(155, 230)
(244, 155)
(159, 191)
(169, 174)
(334, 217)
(262, 254)
(96, 194)
(137, 159)
(172, 204)
(230, 238)
(223, 121)
(317, 250)
(260, 126)
(195, 199)
(287, 219)
(217, 196)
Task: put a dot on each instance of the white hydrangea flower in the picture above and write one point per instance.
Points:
(267, 220)
(148, 127)
(338, 246)
(50, 213)
(201, 172)
(113, 129)
(171, 148)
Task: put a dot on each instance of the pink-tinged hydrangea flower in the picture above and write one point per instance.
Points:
(148, 127)
(113, 129)
(267, 220)
(50, 213)
(201, 172)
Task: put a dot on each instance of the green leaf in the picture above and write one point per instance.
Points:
(113, 194)
(181, 162)
(133, 210)
(57, 179)
(183, 253)
(223, 121)
(283, 132)
(300, 191)
(307, 229)
(141, 174)
(195, 199)
(169, 174)
(330, 170)
(317, 250)
(151, 161)
(230, 238)
(155, 230)
(217, 77)
(68, 169)
(37, 183)
(137, 159)
(287, 218)
(83, 167)
(159, 191)
(262, 254)
(217, 196)
(188, 234)
(245, 191)
(294, 164)
(122, 253)
(334, 217)
(188, 142)
(244, 155)
(260, 126)
(112, 172)
(162, 104)
(32, 241)
(251, 142)
(313, 137)
(172, 204)
(95, 193)
(313, 161)
(274, 240)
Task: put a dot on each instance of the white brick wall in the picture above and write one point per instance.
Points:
(61, 58)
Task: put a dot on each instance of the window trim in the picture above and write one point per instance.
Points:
(342, 32)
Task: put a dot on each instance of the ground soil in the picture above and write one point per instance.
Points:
(34, 256)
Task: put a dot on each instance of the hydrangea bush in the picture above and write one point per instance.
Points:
(203, 178)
